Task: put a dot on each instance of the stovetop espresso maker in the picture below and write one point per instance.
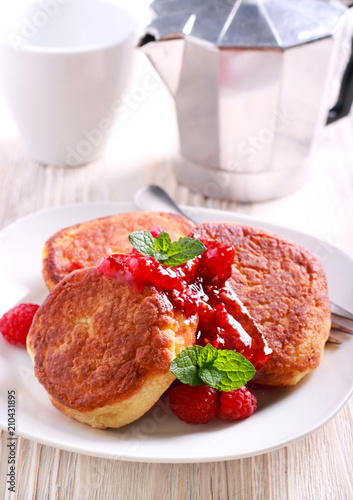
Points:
(250, 79)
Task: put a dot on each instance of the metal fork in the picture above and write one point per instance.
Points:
(341, 321)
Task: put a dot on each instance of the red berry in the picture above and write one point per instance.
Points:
(236, 405)
(194, 405)
(155, 232)
(15, 323)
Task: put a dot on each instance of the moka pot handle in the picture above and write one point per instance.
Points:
(345, 97)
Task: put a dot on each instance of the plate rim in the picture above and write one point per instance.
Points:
(238, 217)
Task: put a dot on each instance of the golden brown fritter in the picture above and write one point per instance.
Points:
(283, 286)
(102, 349)
(85, 244)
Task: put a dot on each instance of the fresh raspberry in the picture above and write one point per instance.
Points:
(155, 232)
(15, 323)
(193, 405)
(236, 405)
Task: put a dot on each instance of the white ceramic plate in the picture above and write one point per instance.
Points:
(283, 415)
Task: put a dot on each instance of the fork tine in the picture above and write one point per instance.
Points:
(341, 328)
(340, 312)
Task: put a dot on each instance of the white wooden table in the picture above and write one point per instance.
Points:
(317, 467)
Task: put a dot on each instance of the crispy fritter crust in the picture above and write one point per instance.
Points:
(283, 286)
(85, 244)
(102, 349)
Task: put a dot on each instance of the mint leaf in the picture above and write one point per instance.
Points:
(163, 242)
(222, 369)
(236, 370)
(228, 360)
(207, 355)
(226, 384)
(162, 248)
(210, 376)
(183, 250)
(161, 257)
(185, 366)
(143, 241)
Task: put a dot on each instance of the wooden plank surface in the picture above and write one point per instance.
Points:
(319, 466)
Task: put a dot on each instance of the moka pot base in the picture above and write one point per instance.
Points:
(244, 187)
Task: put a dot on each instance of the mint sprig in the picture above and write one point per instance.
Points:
(185, 366)
(164, 250)
(222, 369)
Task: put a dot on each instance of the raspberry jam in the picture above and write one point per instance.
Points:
(199, 286)
(73, 266)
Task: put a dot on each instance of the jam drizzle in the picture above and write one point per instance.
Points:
(199, 286)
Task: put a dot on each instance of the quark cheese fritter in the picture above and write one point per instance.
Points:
(102, 349)
(283, 286)
(84, 245)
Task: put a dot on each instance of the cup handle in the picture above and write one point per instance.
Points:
(345, 97)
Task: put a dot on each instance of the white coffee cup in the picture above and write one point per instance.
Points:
(63, 71)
